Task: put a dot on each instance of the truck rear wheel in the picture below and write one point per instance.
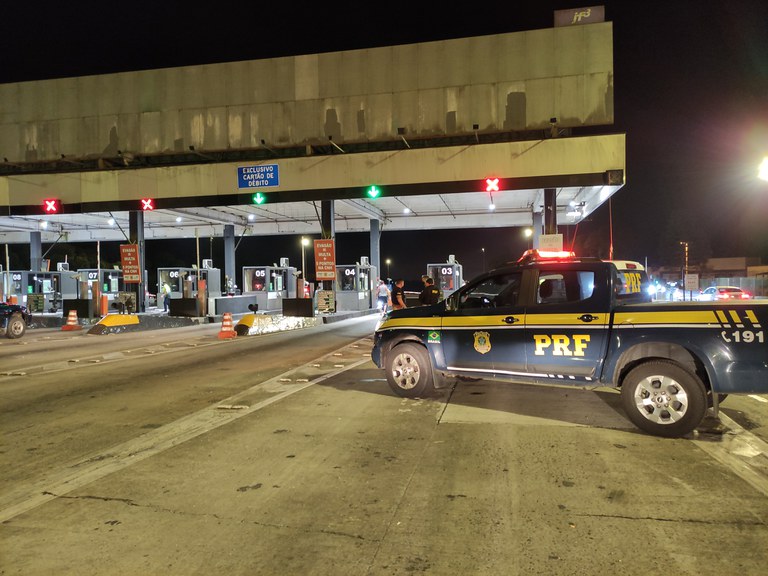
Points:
(664, 399)
(409, 372)
(16, 326)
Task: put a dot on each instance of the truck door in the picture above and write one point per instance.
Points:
(566, 327)
(487, 321)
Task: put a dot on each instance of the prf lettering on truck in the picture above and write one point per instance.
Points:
(560, 344)
(633, 281)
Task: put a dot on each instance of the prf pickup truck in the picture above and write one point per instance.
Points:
(583, 322)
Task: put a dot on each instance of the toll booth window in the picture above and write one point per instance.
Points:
(256, 279)
(278, 280)
(494, 292)
(565, 286)
(345, 279)
(170, 277)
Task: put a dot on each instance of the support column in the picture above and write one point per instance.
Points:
(375, 239)
(327, 223)
(229, 253)
(537, 224)
(136, 236)
(35, 251)
(550, 211)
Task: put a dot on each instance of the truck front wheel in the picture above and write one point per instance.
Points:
(409, 372)
(664, 399)
(16, 326)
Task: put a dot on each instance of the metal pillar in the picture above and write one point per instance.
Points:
(375, 239)
(537, 224)
(327, 224)
(136, 236)
(35, 251)
(229, 252)
(550, 211)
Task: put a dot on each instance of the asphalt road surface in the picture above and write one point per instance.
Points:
(174, 452)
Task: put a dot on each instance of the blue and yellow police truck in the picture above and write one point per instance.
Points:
(553, 318)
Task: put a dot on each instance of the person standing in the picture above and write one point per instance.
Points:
(431, 293)
(384, 296)
(398, 295)
(166, 293)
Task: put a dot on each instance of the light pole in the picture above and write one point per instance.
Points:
(388, 262)
(528, 233)
(685, 264)
(483, 249)
(304, 244)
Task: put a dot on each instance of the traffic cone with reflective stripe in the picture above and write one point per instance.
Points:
(227, 328)
(72, 323)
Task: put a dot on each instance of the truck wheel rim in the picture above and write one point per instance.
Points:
(405, 371)
(661, 399)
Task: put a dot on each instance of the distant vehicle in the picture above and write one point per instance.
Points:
(13, 320)
(723, 293)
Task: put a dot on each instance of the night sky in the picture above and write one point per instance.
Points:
(691, 93)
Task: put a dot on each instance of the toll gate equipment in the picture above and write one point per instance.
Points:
(355, 286)
(185, 285)
(270, 284)
(23, 283)
(448, 276)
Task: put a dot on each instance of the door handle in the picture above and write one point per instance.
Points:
(588, 318)
(511, 319)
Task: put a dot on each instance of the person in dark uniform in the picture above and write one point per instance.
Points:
(398, 295)
(431, 293)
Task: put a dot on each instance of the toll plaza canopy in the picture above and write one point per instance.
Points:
(418, 136)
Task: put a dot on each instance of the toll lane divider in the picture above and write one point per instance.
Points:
(252, 324)
(119, 323)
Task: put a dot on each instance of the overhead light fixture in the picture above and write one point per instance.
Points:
(111, 221)
(178, 219)
(251, 217)
(43, 224)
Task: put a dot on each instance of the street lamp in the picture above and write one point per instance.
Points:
(685, 264)
(388, 262)
(483, 249)
(762, 171)
(528, 233)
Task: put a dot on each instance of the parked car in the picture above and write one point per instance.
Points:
(720, 293)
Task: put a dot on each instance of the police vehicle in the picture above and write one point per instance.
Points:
(13, 320)
(559, 319)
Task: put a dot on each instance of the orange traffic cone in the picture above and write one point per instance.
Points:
(227, 329)
(72, 323)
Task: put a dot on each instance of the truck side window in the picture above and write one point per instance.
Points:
(493, 292)
(565, 286)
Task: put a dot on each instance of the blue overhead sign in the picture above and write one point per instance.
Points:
(258, 176)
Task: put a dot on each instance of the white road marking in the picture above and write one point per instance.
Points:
(741, 452)
(758, 398)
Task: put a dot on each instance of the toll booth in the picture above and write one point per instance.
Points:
(270, 284)
(355, 288)
(185, 285)
(38, 291)
(448, 276)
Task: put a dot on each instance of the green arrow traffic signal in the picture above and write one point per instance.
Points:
(259, 198)
(373, 192)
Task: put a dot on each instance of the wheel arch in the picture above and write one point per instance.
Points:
(673, 352)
